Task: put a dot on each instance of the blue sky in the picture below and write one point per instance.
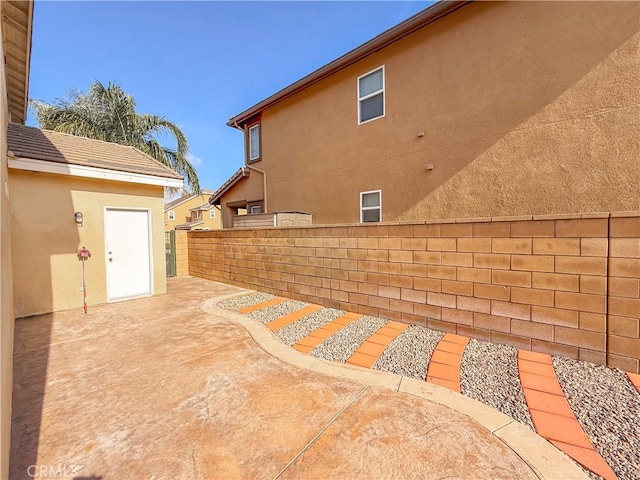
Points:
(198, 63)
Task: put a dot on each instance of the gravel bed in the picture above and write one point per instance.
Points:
(266, 315)
(409, 353)
(296, 331)
(341, 345)
(236, 303)
(608, 408)
(489, 374)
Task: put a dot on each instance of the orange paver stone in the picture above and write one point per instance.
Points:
(444, 366)
(368, 353)
(285, 320)
(319, 335)
(635, 380)
(260, 306)
(551, 413)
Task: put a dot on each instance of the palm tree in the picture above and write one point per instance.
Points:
(109, 114)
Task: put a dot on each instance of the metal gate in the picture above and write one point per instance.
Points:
(170, 252)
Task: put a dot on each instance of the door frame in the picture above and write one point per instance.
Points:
(150, 246)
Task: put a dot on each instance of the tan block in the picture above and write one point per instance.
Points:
(595, 227)
(378, 302)
(390, 268)
(624, 267)
(478, 333)
(472, 304)
(533, 228)
(511, 310)
(428, 284)
(441, 299)
(580, 338)
(400, 256)
(370, 266)
(532, 296)
(377, 255)
(368, 288)
(590, 356)
(511, 278)
(457, 259)
(554, 316)
(441, 326)
(481, 245)
(414, 270)
(431, 258)
(346, 264)
(368, 243)
(344, 242)
(400, 230)
(378, 278)
(625, 227)
(556, 246)
(525, 328)
(556, 281)
(555, 349)
(534, 263)
(593, 322)
(413, 320)
(457, 316)
(410, 295)
(594, 247)
(339, 295)
(589, 284)
(624, 363)
(456, 230)
(476, 275)
(491, 260)
(511, 245)
(389, 315)
(492, 229)
(427, 311)
(457, 288)
(388, 292)
(414, 244)
(389, 243)
(624, 307)
(624, 327)
(492, 322)
(624, 346)
(492, 292)
(441, 244)
(348, 286)
(402, 281)
(355, 254)
(581, 302)
(443, 272)
(582, 265)
(426, 231)
(401, 306)
(358, 299)
(624, 287)
(376, 230)
(625, 247)
(523, 343)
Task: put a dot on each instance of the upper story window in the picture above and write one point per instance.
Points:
(255, 209)
(212, 213)
(171, 215)
(254, 143)
(371, 95)
(195, 215)
(371, 206)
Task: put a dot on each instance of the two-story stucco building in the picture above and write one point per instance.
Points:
(465, 110)
(191, 212)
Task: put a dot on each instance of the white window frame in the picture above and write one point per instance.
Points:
(171, 215)
(257, 125)
(372, 94)
(362, 208)
(251, 212)
(212, 213)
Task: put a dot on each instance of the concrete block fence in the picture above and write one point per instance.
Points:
(563, 285)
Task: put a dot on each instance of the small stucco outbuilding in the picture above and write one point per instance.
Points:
(69, 192)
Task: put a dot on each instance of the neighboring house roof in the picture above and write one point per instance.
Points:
(204, 207)
(188, 225)
(61, 148)
(241, 173)
(409, 26)
(181, 200)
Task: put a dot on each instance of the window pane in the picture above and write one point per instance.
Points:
(371, 83)
(371, 215)
(371, 108)
(254, 142)
(371, 199)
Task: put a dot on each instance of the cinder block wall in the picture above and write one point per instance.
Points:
(564, 285)
(182, 253)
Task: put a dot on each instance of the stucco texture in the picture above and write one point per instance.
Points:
(47, 273)
(526, 108)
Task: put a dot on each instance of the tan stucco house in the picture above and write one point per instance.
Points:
(465, 110)
(192, 212)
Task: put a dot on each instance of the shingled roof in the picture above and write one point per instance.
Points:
(46, 145)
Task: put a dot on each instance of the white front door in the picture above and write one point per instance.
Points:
(127, 253)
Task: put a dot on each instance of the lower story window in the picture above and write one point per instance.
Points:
(255, 209)
(371, 206)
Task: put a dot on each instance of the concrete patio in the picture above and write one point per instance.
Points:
(172, 387)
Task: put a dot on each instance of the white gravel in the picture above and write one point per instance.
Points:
(489, 374)
(296, 331)
(343, 343)
(409, 353)
(608, 408)
(266, 315)
(236, 303)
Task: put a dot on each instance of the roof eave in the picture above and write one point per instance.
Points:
(241, 173)
(409, 26)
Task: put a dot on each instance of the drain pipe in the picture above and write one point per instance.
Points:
(606, 306)
(264, 174)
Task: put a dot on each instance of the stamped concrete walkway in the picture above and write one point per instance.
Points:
(173, 387)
